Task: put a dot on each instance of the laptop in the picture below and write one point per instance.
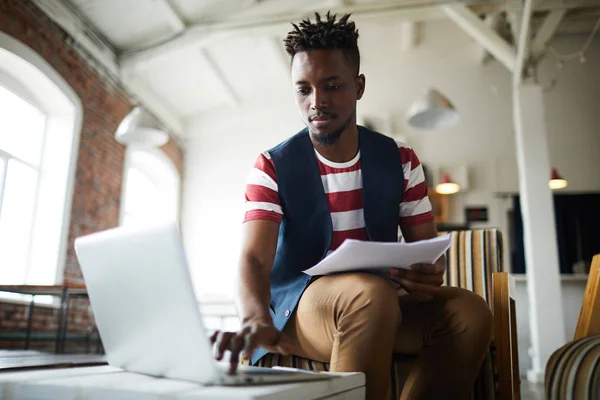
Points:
(146, 310)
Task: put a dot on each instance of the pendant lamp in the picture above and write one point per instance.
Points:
(556, 181)
(432, 111)
(447, 185)
(140, 128)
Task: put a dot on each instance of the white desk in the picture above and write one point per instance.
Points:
(105, 382)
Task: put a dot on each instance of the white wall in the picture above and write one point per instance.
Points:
(219, 157)
(224, 144)
(573, 288)
(486, 142)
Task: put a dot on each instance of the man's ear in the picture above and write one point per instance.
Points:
(360, 86)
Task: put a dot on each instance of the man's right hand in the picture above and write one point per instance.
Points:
(251, 336)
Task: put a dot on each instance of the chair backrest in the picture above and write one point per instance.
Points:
(472, 258)
(589, 316)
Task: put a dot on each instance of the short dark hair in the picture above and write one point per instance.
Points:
(324, 35)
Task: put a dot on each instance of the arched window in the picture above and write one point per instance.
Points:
(40, 121)
(151, 187)
(22, 132)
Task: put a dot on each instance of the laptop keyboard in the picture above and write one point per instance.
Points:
(246, 370)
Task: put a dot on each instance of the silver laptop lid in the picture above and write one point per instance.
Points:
(144, 303)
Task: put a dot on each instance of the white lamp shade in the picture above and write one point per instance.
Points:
(447, 185)
(141, 129)
(556, 181)
(557, 184)
(432, 111)
(447, 188)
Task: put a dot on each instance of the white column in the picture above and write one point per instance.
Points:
(541, 249)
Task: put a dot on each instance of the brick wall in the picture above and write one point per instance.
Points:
(81, 328)
(97, 191)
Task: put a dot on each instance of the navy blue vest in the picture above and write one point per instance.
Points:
(306, 229)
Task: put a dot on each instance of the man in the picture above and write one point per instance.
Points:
(333, 181)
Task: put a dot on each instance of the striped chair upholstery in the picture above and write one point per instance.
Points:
(573, 371)
(472, 258)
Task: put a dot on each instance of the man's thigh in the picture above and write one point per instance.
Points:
(315, 323)
(310, 328)
(448, 312)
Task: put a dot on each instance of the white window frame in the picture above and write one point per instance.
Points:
(166, 161)
(28, 75)
(6, 157)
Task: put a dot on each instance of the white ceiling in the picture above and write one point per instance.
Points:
(188, 57)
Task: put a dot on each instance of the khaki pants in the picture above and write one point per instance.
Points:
(356, 321)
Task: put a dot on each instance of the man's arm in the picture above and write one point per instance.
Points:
(260, 230)
(253, 297)
(414, 233)
(424, 280)
(258, 252)
(428, 230)
(417, 222)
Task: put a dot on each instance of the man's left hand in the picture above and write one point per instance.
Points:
(422, 281)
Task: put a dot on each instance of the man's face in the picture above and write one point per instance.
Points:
(326, 90)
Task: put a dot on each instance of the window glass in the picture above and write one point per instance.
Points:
(2, 166)
(21, 128)
(141, 194)
(152, 187)
(16, 217)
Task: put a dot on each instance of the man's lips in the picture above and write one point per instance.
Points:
(320, 120)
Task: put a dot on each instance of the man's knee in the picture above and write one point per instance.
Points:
(469, 311)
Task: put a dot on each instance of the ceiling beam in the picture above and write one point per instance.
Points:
(265, 23)
(255, 8)
(82, 33)
(138, 86)
(105, 57)
(200, 35)
(546, 32)
(482, 33)
(514, 19)
(549, 5)
(523, 45)
(229, 91)
(491, 20)
(514, 10)
(343, 3)
(173, 19)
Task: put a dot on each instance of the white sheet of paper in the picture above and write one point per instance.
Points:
(355, 255)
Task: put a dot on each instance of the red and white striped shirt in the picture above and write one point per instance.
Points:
(343, 187)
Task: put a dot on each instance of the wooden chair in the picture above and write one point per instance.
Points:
(474, 262)
(573, 371)
(588, 323)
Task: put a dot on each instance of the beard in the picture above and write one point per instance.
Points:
(328, 139)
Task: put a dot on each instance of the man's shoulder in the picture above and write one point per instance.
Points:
(289, 141)
(377, 136)
(407, 153)
(368, 131)
(404, 147)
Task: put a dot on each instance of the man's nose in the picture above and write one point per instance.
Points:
(319, 100)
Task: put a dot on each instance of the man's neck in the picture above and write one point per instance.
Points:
(344, 149)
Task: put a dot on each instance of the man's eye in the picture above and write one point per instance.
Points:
(303, 91)
(333, 87)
